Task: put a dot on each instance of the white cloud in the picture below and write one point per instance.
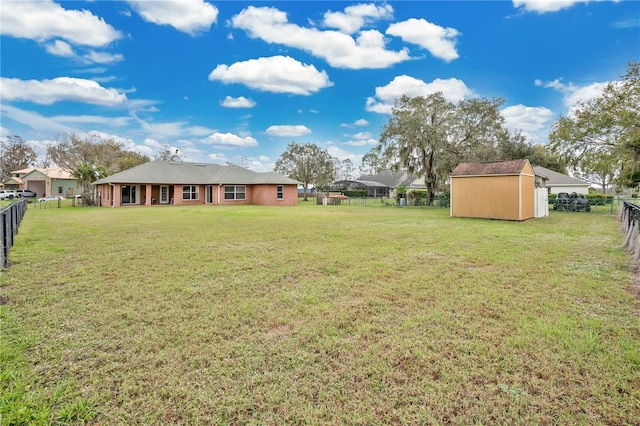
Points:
(64, 49)
(34, 120)
(60, 48)
(543, 6)
(287, 130)
(342, 155)
(189, 16)
(169, 129)
(47, 92)
(440, 41)
(361, 136)
(362, 142)
(278, 74)
(573, 94)
(241, 102)
(128, 143)
(360, 122)
(45, 20)
(532, 122)
(338, 49)
(528, 119)
(453, 90)
(355, 17)
(82, 120)
(230, 140)
(102, 57)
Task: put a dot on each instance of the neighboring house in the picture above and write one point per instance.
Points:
(494, 190)
(182, 183)
(558, 182)
(373, 189)
(380, 185)
(45, 181)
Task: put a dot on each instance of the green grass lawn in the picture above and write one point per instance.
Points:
(316, 315)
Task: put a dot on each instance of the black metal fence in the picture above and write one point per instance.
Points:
(10, 218)
(630, 224)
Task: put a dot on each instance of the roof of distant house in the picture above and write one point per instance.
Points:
(559, 179)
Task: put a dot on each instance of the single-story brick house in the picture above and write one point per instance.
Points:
(161, 182)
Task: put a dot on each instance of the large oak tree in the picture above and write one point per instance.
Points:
(429, 136)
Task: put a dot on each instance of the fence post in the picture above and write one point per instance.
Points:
(10, 218)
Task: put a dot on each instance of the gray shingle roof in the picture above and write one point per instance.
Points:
(183, 173)
(512, 167)
(556, 178)
(390, 179)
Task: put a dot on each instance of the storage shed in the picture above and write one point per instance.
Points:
(493, 190)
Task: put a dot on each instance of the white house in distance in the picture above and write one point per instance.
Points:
(558, 182)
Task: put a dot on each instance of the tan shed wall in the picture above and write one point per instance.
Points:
(527, 193)
(488, 197)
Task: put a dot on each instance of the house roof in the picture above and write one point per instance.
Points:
(367, 183)
(558, 179)
(49, 172)
(512, 167)
(390, 179)
(180, 172)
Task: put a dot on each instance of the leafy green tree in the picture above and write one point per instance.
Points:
(15, 154)
(604, 129)
(372, 162)
(600, 169)
(516, 147)
(70, 151)
(306, 163)
(85, 174)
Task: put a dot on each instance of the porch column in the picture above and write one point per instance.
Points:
(117, 195)
(147, 195)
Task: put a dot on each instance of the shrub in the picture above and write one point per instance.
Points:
(355, 194)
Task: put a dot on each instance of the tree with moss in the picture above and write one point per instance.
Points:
(602, 135)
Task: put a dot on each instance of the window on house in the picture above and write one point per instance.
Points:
(234, 192)
(280, 191)
(189, 192)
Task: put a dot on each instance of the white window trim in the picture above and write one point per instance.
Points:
(235, 192)
(196, 192)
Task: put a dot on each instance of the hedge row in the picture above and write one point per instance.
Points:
(595, 199)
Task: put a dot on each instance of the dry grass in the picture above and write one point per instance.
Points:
(317, 315)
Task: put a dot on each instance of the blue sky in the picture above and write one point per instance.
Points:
(236, 82)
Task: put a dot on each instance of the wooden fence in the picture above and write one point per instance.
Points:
(10, 218)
